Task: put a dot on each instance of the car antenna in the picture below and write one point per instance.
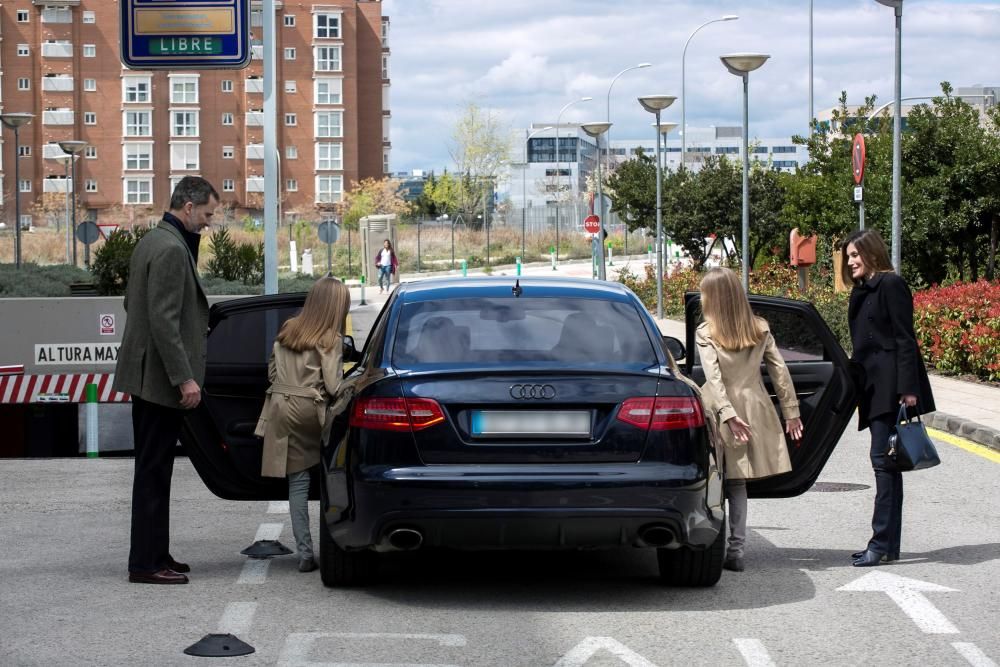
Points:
(516, 289)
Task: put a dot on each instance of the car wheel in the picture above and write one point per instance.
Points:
(339, 568)
(690, 567)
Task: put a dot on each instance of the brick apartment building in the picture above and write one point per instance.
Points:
(145, 130)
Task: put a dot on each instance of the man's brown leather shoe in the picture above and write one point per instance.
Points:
(163, 576)
(171, 564)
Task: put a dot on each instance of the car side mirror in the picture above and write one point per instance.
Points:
(350, 352)
(675, 347)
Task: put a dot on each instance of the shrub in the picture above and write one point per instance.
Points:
(958, 327)
(32, 280)
(111, 261)
(231, 261)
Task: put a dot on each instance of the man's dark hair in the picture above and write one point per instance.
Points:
(194, 189)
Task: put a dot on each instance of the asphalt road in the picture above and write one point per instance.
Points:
(64, 598)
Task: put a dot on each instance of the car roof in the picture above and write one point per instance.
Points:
(502, 286)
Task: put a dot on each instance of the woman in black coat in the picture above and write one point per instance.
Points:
(885, 345)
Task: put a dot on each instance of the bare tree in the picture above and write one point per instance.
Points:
(481, 147)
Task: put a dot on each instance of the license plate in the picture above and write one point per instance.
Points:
(551, 424)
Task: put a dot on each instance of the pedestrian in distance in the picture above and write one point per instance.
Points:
(732, 342)
(386, 263)
(880, 316)
(305, 370)
(161, 363)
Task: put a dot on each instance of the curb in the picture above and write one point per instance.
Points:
(978, 433)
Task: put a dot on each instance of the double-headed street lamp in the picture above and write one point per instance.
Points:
(595, 130)
(741, 64)
(684, 129)
(897, 121)
(14, 121)
(607, 115)
(73, 147)
(558, 175)
(655, 104)
(66, 160)
(524, 190)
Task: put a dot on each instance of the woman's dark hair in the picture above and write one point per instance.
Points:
(872, 249)
(390, 244)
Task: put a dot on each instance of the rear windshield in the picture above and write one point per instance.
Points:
(521, 330)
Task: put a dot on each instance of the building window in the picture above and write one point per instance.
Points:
(326, 26)
(135, 89)
(137, 157)
(291, 185)
(228, 185)
(184, 157)
(138, 191)
(23, 16)
(184, 124)
(23, 83)
(727, 150)
(329, 189)
(291, 119)
(183, 90)
(227, 118)
(291, 153)
(138, 124)
(385, 66)
(783, 149)
(90, 118)
(228, 152)
(89, 17)
(89, 51)
(290, 87)
(327, 58)
(329, 90)
(24, 151)
(90, 152)
(290, 53)
(329, 124)
(227, 85)
(26, 221)
(256, 19)
(90, 185)
(23, 50)
(90, 85)
(289, 20)
(328, 157)
(25, 185)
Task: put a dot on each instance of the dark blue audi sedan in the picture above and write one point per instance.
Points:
(505, 413)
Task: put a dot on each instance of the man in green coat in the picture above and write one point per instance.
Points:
(161, 363)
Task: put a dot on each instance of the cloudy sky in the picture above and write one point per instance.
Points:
(527, 58)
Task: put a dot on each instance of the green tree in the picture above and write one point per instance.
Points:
(632, 191)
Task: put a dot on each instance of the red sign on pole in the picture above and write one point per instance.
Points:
(858, 159)
(592, 224)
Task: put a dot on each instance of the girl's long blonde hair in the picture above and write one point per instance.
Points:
(726, 308)
(322, 318)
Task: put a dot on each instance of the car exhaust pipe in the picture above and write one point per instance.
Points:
(657, 535)
(405, 539)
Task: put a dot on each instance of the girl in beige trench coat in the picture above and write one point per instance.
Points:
(732, 342)
(305, 370)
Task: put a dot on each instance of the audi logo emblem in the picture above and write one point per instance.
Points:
(523, 391)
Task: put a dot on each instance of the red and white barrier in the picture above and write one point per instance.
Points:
(58, 388)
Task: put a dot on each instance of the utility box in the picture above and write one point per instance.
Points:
(802, 249)
(375, 229)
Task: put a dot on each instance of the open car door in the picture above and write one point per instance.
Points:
(823, 382)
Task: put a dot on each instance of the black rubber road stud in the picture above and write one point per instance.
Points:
(266, 549)
(219, 646)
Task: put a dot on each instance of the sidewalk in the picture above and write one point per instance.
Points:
(966, 409)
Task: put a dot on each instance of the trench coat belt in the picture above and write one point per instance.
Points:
(293, 390)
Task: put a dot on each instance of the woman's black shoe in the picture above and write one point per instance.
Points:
(888, 558)
(869, 559)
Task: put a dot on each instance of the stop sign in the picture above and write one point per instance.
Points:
(592, 224)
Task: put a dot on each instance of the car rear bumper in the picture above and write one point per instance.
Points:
(530, 506)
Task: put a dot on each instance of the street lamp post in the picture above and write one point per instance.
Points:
(607, 115)
(684, 129)
(66, 161)
(741, 64)
(14, 121)
(73, 148)
(810, 68)
(524, 190)
(655, 104)
(897, 121)
(558, 176)
(595, 130)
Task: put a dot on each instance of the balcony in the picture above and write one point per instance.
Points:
(56, 184)
(52, 151)
(59, 83)
(255, 119)
(255, 184)
(255, 151)
(57, 49)
(257, 52)
(57, 14)
(254, 85)
(57, 117)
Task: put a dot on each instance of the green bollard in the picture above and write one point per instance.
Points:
(363, 302)
(552, 254)
(465, 268)
(91, 394)
(611, 258)
(518, 265)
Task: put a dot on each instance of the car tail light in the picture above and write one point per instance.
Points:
(396, 414)
(662, 414)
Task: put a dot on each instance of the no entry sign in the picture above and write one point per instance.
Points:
(858, 159)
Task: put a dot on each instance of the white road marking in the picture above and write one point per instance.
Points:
(908, 595)
(585, 650)
(753, 652)
(973, 654)
(238, 618)
(277, 507)
(254, 571)
(269, 531)
(298, 645)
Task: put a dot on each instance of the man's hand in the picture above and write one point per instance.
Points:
(190, 394)
(740, 429)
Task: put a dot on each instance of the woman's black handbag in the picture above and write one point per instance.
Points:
(909, 445)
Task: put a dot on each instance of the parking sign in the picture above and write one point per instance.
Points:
(185, 34)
